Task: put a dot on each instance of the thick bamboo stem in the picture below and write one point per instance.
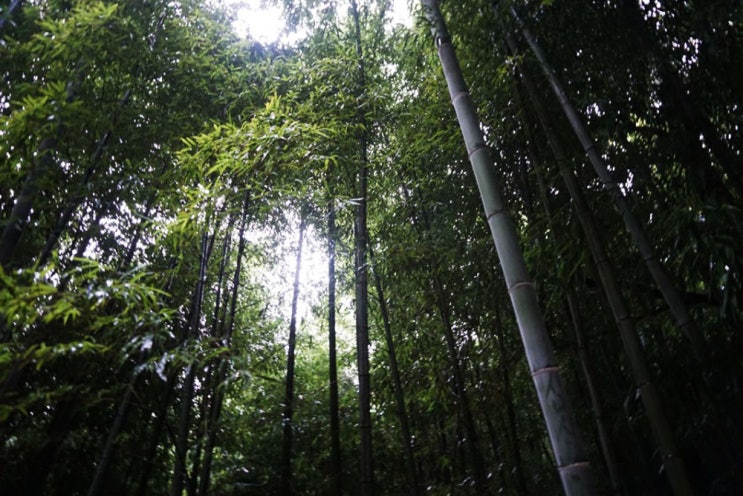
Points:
(229, 324)
(181, 442)
(575, 472)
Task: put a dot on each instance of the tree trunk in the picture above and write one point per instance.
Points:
(72, 203)
(43, 162)
(607, 446)
(211, 420)
(215, 408)
(443, 474)
(575, 472)
(108, 449)
(19, 216)
(35, 482)
(571, 299)
(180, 471)
(154, 441)
(210, 379)
(204, 408)
(407, 439)
(513, 428)
(497, 448)
(476, 384)
(362, 321)
(336, 481)
(628, 333)
(663, 434)
(658, 273)
(472, 439)
(286, 420)
(180, 474)
(82, 238)
(129, 255)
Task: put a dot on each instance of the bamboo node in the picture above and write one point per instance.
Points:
(477, 148)
(546, 370)
(520, 283)
(493, 214)
(572, 466)
(458, 95)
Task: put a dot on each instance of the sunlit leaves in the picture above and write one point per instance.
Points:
(87, 19)
(92, 314)
(29, 298)
(262, 155)
(34, 115)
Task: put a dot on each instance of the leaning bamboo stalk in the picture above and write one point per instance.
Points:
(575, 471)
(671, 295)
(571, 298)
(672, 461)
(74, 201)
(181, 439)
(656, 414)
(215, 409)
(20, 215)
(108, 449)
(407, 438)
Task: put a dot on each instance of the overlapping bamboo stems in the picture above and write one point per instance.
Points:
(181, 438)
(671, 295)
(571, 299)
(288, 410)
(575, 472)
(402, 414)
(662, 431)
(362, 287)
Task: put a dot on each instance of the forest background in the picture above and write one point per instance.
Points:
(231, 267)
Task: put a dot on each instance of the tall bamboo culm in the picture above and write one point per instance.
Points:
(670, 294)
(575, 472)
(361, 235)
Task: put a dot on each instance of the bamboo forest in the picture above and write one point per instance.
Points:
(482, 247)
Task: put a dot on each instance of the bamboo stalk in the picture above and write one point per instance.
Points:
(671, 295)
(574, 469)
